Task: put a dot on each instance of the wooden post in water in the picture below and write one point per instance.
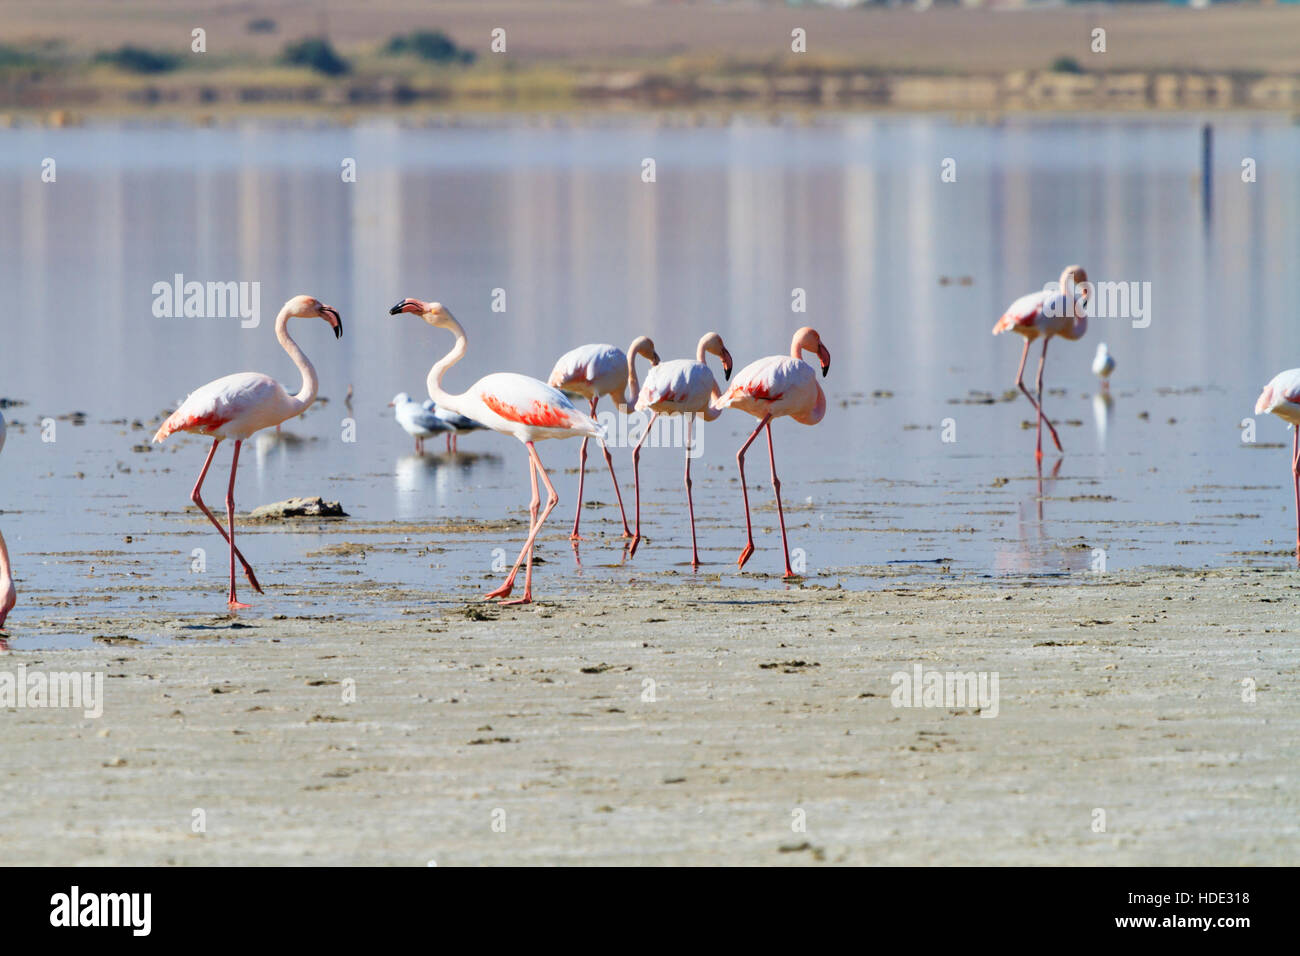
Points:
(1207, 164)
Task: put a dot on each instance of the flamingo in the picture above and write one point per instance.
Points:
(680, 387)
(1103, 363)
(771, 388)
(1047, 313)
(1281, 397)
(416, 420)
(239, 405)
(458, 425)
(592, 371)
(8, 594)
(516, 405)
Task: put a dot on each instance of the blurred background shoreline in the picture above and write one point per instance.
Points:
(62, 61)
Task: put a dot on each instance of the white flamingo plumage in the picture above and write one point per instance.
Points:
(8, 593)
(1281, 397)
(680, 387)
(772, 387)
(416, 419)
(591, 371)
(1044, 314)
(516, 405)
(239, 405)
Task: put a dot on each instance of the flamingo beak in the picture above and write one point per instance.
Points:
(400, 307)
(331, 315)
(726, 365)
(824, 354)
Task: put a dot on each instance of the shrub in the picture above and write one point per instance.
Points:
(318, 54)
(1066, 64)
(136, 59)
(432, 45)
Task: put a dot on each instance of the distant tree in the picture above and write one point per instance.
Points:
(262, 25)
(432, 45)
(318, 54)
(1066, 64)
(136, 59)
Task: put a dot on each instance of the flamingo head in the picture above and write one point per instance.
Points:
(432, 312)
(645, 348)
(712, 344)
(401, 398)
(1075, 278)
(807, 340)
(306, 306)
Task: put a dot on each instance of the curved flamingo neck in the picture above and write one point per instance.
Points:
(628, 399)
(310, 384)
(436, 392)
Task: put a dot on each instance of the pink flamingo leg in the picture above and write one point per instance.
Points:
(609, 462)
(780, 514)
(636, 476)
(230, 519)
(197, 498)
(1020, 383)
(690, 505)
(524, 552)
(552, 499)
(1295, 473)
(744, 493)
(582, 480)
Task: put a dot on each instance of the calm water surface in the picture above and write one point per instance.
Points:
(904, 275)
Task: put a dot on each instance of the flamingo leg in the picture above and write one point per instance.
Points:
(690, 505)
(636, 475)
(454, 438)
(449, 448)
(1038, 408)
(509, 583)
(1042, 416)
(609, 462)
(1295, 474)
(230, 520)
(197, 497)
(744, 493)
(582, 479)
(552, 499)
(776, 488)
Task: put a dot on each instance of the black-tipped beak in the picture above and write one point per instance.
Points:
(824, 354)
(338, 329)
(726, 367)
(399, 308)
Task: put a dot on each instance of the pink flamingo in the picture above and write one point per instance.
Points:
(1281, 397)
(592, 371)
(238, 405)
(680, 387)
(526, 408)
(770, 388)
(1045, 314)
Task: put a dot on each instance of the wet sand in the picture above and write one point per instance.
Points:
(485, 735)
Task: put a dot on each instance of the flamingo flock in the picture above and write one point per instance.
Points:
(530, 410)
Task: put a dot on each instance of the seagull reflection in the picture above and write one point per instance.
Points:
(421, 480)
(1102, 403)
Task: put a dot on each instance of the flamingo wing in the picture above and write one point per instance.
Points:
(685, 384)
(520, 402)
(1022, 314)
(234, 406)
(586, 365)
(1282, 393)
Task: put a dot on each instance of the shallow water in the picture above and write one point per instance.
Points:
(904, 276)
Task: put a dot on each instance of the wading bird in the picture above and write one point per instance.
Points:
(416, 420)
(680, 387)
(1063, 313)
(239, 405)
(526, 408)
(1103, 363)
(458, 425)
(591, 371)
(1281, 397)
(8, 594)
(770, 388)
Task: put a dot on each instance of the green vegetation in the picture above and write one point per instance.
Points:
(432, 45)
(134, 59)
(1065, 64)
(318, 54)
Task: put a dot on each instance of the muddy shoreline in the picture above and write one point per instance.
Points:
(679, 723)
